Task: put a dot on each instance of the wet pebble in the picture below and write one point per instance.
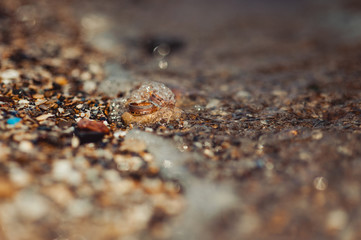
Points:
(31, 206)
(336, 220)
(63, 171)
(133, 145)
(91, 125)
(9, 74)
(44, 116)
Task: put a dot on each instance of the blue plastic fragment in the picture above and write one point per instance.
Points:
(13, 121)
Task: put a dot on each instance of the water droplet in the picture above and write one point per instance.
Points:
(320, 183)
(167, 164)
(163, 64)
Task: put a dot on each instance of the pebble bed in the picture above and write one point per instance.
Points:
(266, 144)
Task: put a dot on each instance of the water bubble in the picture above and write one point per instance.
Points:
(320, 183)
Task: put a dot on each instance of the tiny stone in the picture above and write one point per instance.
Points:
(19, 176)
(279, 93)
(44, 116)
(344, 150)
(128, 164)
(63, 171)
(317, 135)
(242, 94)
(198, 144)
(213, 103)
(162, 64)
(31, 205)
(119, 134)
(95, 68)
(112, 176)
(336, 220)
(85, 76)
(74, 178)
(152, 185)
(249, 223)
(60, 194)
(23, 102)
(148, 129)
(61, 80)
(39, 101)
(80, 208)
(6, 188)
(10, 74)
(148, 157)
(198, 107)
(91, 125)
(88, 136)
(208, 153)
(89, 86)
(133, 145)
(61, 110)
(75, 142)
(26, 146)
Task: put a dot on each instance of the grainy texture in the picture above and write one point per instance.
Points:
(267, 146)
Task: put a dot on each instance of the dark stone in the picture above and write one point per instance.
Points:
(44, 128)
(19, 57)
(88, 136)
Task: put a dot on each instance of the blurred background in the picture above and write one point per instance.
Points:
(271, 96)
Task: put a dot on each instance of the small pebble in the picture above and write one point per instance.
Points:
(19, 176)
(23, 102)
(148, 129)
(63, 171)
(61, 110)
(317, 135)
(89, 86)
(88, 136)
(133, 145)
(213, 103)
(61, 80)
(208, 153)
(60, 169)
(6, 189)
(39, 101)
(44, 116)
(60, 194)
(10, 74)
(152, 185)
(31, 206)
(93, 126)
(75, 142)
(26, 146)
(242, 94)
(80, 208)
(119, 134)
(336, 220)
